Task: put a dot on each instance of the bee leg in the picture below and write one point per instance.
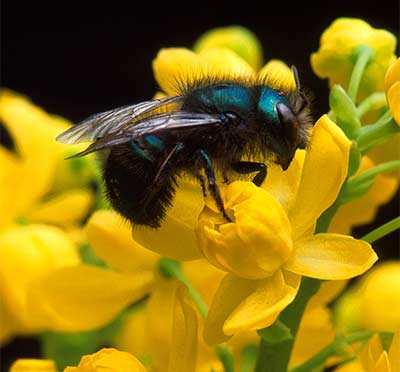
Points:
(202, 184)
(212, 185)
(246, 167)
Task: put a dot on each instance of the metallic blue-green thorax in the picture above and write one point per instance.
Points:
(224, 97)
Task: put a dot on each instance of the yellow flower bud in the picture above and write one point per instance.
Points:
(334, 59)
(33, 365)
(256, 243)
(374, 302)
(108, 360)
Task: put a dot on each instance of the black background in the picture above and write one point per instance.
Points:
(78, 58)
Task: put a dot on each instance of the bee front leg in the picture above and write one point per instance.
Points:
(246, 167)
(212, 185)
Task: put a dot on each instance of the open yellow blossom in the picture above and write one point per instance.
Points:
(392, 89)
(33, 170)
(373, 302)
(83, 297)
(27, 253)
(273, 256)
(373, 357)
(334, 59)
(179, 353)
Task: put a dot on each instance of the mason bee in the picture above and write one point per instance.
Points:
(210, 126)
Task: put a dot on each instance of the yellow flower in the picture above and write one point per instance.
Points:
(83, 297)
(392, 89)
(177, 352)
(265, 258)
(108, 360)
(334, 59)
(27, 253)
(236, 38)
(374, 302)
(33, 170)
(33, 365)
(373, 358)
(363, 210)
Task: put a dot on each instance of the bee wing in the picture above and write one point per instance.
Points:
(178, 121)
(99, 125)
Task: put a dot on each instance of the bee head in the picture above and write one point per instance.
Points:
(289, 121)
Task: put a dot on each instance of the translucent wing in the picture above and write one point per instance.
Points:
(172, 122)
(99, 125)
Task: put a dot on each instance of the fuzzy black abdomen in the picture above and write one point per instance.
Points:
(131, 186)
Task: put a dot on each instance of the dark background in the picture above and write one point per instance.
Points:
(74, 59)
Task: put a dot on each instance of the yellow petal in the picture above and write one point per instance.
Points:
(383, 364)
(326, 161)
(371, 353)
(83, 297)
(392, 74)
(108, 360)
(331, 257)
(29, 252)
(242, 304)
(315, 332)
(394, 353)
(134, 322)
(180, 221)
(283, 185)
(327, 292)
(258, 240)
(174, 66)
(64, 209)
(225, 63)
(393, 98)
(183, 355)
(33, 365)
(278, 75)
(110, 238)
(236, 38)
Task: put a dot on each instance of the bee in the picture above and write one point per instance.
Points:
(210, 126)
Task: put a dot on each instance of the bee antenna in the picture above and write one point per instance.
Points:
(296, 77)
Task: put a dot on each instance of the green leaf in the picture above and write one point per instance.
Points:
(277, 332)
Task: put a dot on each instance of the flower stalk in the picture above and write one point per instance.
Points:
(382, 231)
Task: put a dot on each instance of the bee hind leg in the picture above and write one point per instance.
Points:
(212, 185)
(246, 167)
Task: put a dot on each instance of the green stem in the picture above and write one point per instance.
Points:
(326, 217)
(331, 350)
(226, 357)
(172, 269)
(249, 357)
(367, 175)
(274, 357)
(374, 134)
(375, 101)
(382, 231)
(363, 54)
